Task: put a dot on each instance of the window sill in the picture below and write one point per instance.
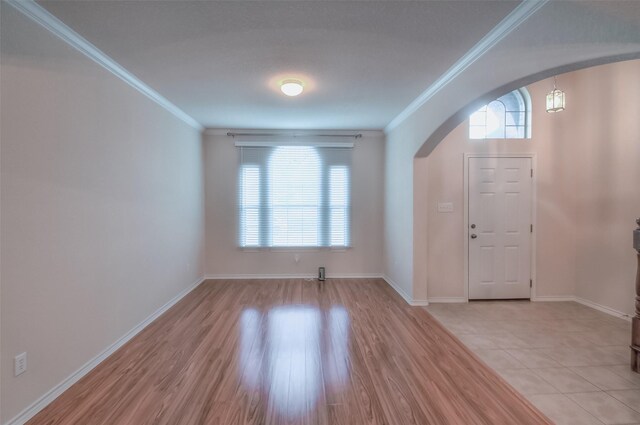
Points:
(295, 249)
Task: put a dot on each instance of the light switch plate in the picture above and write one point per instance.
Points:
(445, 207)
(20, 364)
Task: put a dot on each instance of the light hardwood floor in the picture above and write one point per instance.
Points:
(292, 352)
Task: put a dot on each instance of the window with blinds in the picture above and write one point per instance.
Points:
(294, 196)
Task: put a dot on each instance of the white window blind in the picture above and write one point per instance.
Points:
(294, 196)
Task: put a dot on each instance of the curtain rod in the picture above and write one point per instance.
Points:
(232, 134)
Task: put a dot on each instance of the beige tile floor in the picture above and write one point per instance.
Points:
(569, 360)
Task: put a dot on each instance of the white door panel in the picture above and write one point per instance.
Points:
(500, 193)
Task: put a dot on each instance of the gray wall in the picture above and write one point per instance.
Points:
(224, 258)
(102, 212)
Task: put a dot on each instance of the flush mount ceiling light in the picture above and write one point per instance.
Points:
(555, 99)
(292, 87)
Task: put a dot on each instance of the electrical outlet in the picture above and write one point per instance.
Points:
(20, 364)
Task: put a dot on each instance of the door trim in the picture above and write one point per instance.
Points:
(534, 199)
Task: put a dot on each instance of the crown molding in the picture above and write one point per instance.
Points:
(512, 21)
(45, 19)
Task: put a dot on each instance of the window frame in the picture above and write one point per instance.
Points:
(324, 205)
(523, 96)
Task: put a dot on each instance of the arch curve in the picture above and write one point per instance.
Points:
(463, 113)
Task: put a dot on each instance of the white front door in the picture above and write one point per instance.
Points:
(500, 227)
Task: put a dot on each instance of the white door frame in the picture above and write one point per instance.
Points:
(534, 199)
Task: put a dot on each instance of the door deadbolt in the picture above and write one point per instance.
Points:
(473, 226)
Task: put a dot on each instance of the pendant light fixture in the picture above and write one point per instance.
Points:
(555, 99)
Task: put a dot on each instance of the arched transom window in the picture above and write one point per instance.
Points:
(508, 117)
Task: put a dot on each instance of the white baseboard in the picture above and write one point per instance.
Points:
(390, 282)
(588, 303)
(542, 298)
(404, 295)
(292, 276)
(553, 298)
(434, 300)
(603, 308)
(399, 290)
(53, 393)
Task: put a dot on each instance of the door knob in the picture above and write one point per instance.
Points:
(473, 236)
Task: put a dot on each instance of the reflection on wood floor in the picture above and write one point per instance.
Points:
(292, 352)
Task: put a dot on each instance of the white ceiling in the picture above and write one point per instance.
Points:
(363, 62)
